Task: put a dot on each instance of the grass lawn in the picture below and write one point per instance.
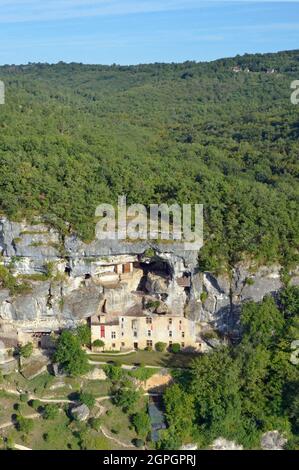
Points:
(61, 433)
(118, 423)
(46, 385)
(150, 358)
(8, 407)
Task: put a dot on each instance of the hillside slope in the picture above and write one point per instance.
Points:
(73, 136)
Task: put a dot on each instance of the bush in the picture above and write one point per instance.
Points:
(142, 423)
(138, 443)
(51, 411)
(24, 397)
(175, 348)
(95, 423)
(35, 404)
(113, 372)
(87, 399)
(149, 253)
(160, 347)
(152, 304)
(98, 343)
(143, 373)
(84, 334)
(126, 398)
(70, 355)
(24, 425)
(26, 350)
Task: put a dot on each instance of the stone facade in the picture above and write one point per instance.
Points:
(144, 331)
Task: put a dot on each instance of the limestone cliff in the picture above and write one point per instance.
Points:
(82, 280)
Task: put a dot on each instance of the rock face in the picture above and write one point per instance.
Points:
(223, 296)
(273, 440)
(224, 444)
(70, 280)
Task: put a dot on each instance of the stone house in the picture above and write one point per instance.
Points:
(143, 330)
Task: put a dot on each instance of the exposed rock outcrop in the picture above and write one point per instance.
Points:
(81, 413)
(71, 280)
(273, 440)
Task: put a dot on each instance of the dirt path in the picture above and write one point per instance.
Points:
(127, 353)
(51, 400)
(34, 397)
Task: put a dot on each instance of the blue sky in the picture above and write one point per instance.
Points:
(142, 31)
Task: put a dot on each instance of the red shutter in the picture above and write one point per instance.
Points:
(102, 331)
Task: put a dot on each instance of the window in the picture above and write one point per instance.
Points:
(113, 345)
(170, 343)
(113, 334)
(183, 334)
(149, 333)
(123, 345)
(170, 321)
(149, 320)
(149, 344)
(183, 345)
(170, 334)
(135, 334)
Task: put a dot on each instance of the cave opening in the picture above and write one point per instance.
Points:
(68, 270)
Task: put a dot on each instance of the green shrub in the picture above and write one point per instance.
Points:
(175, 348)
(160, 346)
(24, 425)
(95, 423)
(204, 296)
(84, 334)
(98, 343)
(138, 443)
(114, 373)
(24, 397)
(35, 404)
(142, 423)
(51, 411)
(26, 350)
(87, 399)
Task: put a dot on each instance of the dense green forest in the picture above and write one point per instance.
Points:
(73, 136)
(241, 392)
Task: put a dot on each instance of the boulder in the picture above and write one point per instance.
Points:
(81, 412)
(273, 440)
(223, 444)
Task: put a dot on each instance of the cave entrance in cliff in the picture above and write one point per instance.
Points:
(159, 267)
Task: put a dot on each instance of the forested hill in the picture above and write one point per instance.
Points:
(73, 136)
